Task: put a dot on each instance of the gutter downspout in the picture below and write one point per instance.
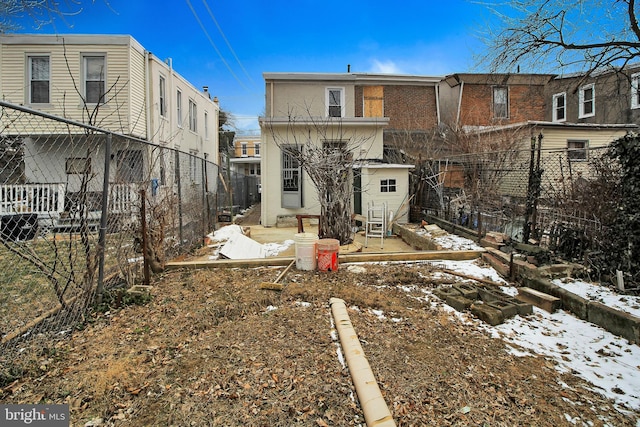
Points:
(147, 95)
(271, 100)
(168, 96)
(459, 103)
(376, 412)
(438, 102)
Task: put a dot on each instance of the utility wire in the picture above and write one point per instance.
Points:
(206, 5)
(214, 45)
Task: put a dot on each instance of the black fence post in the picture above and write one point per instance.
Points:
(178, 183)
(103, 219)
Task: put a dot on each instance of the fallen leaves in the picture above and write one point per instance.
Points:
(205, 350)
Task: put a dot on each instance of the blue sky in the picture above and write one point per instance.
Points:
(228, 45)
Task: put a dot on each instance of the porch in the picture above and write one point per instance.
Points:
(54, 207)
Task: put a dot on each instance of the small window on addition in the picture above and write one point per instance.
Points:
(577, 151)
(387, 185)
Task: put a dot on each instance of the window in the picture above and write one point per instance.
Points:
(335, 151)
(193, 116)
(290, 171)
(256, 149)
(291, 177)
(193, 166)
(129, 166)
(179, 108)
(206, 126)
(635, 90)
(243, 149)
(161, 92)
(559, 107)
(577, 150)
(334, 102)
(500, 102)
(587, 101)
(39, 79)
(373, 101)
(94, 79)
(387, 185)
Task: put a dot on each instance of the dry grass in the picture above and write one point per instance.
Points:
(207, 350)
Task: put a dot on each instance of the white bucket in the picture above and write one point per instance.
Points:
(305, 250)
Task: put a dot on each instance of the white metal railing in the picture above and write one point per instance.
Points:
(41, 199)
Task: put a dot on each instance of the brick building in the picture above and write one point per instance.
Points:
(479, 100)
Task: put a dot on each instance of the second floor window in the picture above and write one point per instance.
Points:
(335, 102)
(500, 102)
(635, 90)
(206, 125)
(39, 80)
(193, 116)
(94, 79)
(256, 149)
(179, 108)
(243, 149)
(559, 107)
(587, 101)
(161, 92)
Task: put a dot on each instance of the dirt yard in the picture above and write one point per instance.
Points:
(211, 348)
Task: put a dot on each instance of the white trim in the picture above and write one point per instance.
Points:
(206, 125)
(554, 107)
(105, 74)
(581, 101)
(342, 100)
(382, 166)
(162, 95)
(179, 112)
(193, 115)
(493, 98)
(30, 57)
(635, 90)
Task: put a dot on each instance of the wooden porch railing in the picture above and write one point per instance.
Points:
(48, 200)
(41, 199)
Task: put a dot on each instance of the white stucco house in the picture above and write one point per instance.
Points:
(332, 110)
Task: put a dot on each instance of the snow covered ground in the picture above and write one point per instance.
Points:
(607, 361)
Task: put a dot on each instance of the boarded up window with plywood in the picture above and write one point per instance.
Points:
(373, 101)
(453, 176)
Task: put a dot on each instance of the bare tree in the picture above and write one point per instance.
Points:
(584, 35)
(422, 148)
(327, 151)
(42, 12)
(487, 157)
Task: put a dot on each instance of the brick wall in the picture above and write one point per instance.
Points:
(408, 107)
(526, 102)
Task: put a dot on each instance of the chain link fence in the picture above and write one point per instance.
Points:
(80, 210)
(531, 195)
